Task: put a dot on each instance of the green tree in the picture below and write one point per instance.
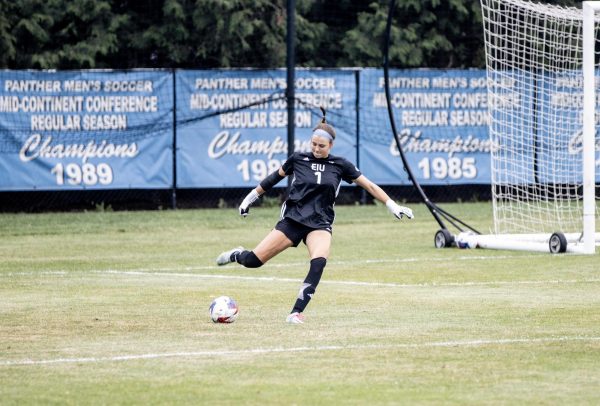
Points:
(157, 34)
(322, 26)
(252, 33)
(424, 33)
(8, 42)
(74, 34)
(63, 34)
(230, 31)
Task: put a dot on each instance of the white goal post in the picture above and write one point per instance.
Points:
(542, 90)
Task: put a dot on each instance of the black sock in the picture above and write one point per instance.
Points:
(247, 258)
(310, 284)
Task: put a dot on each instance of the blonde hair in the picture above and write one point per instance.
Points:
(324, 126)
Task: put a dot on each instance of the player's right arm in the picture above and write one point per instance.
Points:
(264, 186)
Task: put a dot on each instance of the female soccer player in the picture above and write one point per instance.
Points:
(307, 215)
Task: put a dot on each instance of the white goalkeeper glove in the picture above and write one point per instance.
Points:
(248, 200)
(397, 210)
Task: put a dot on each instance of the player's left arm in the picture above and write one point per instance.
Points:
(378, 193)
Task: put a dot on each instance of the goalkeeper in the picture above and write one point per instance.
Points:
(307, 215)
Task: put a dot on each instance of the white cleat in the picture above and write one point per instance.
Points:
(225, 257)
(295, 318)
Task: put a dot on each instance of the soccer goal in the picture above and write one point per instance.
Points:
(542, 90)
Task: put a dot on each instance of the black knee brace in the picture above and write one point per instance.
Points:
(248, 259)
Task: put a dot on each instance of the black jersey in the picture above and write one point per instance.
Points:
(315, 185)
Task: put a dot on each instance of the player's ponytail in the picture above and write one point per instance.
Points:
(323, 125)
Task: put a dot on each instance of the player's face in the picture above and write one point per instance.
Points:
(320, 146)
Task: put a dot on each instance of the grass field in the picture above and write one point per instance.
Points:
(111, 308)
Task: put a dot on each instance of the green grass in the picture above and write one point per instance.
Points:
(111, 308)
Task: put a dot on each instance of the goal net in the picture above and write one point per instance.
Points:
(544, 162)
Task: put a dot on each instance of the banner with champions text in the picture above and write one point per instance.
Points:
(442, 120)
(86, 130)
(249, 140)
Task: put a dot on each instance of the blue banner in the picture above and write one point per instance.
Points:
(442, 120)
(241, 147)
(116, 130)
(86, 130)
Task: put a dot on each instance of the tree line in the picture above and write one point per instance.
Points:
(198, 34)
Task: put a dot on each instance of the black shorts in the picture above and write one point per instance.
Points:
(295, 231)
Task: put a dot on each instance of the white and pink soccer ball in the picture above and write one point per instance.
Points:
(223, 310)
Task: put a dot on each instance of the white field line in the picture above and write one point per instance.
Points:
(151, 272)
(260, 351)
(354, 283)
(353, 262)
(284, 265)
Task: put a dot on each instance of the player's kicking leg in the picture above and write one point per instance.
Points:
(274, 243)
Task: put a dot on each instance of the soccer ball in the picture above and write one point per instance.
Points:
(223, 310)
(466, 240)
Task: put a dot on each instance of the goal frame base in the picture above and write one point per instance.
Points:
(543, 242)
